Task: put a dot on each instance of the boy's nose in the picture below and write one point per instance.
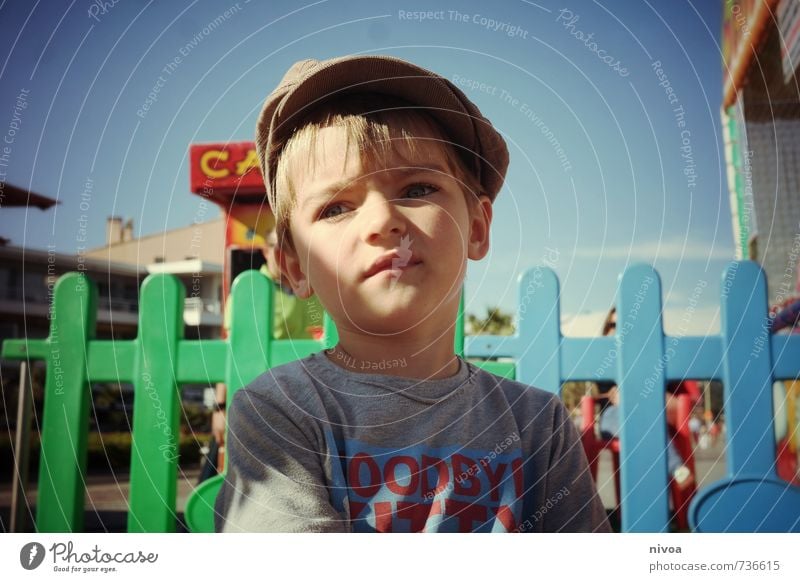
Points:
(383, 219)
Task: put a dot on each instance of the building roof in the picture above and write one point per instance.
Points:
(16, 196)
(34, 256)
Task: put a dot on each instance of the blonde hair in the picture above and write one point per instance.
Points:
(377, 124)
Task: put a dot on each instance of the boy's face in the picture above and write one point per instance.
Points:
(345, 220)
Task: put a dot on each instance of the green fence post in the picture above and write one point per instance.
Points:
(65, 421)
(250, 340)
(458, 338)
(156, 407)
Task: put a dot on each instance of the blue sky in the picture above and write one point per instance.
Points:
(602, 174)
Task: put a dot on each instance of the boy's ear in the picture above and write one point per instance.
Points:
(269, 256)
(292, 270)
(264, 252)
(480, 223)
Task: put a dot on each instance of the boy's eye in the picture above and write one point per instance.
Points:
(326, 214)
(421, 187)
(413, 191)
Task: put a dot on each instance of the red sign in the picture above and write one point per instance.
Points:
(222, 171)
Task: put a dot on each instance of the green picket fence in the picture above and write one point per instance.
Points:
(157, 363)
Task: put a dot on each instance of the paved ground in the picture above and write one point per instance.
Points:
(106, 495)
(106, 501)
(710, 465)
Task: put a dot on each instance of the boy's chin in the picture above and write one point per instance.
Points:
(391, 312)
(391, 318)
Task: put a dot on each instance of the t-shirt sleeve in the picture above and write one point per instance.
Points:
(574, 504)
(274, 480)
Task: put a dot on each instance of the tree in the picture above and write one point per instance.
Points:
(495, 323)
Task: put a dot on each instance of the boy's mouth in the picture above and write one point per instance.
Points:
(391, 262)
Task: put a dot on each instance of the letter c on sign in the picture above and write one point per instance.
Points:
(208, 158)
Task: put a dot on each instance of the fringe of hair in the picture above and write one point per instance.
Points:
(378, 125)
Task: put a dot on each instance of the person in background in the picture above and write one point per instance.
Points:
(293, 318)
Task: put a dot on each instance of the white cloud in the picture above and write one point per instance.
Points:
(702, 321)
(582, 324)
(671, 250)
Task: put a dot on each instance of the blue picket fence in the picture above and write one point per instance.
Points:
(640, 359)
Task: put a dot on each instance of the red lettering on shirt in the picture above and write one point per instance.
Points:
(391, 479)
(466, 513)
(383, 516)
(356, 507)
(442, 477)
(494, 479)
(416, 513)
(506, 517)
(516, 467)
(464, 470)
(386, 489)
(354, 476)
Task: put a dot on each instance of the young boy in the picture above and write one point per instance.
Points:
(382, 175)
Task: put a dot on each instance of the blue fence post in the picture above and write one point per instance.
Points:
(641, 375)
(537, 354)
(751, 498)
(536, 344)
(747, 374)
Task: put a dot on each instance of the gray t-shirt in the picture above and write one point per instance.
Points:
(315, 447)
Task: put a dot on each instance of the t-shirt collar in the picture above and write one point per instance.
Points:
(338, 377)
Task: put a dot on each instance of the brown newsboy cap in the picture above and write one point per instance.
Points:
(309, 82)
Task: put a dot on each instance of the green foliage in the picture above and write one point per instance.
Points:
(109, 451)
(572, 392)
(495, 323)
